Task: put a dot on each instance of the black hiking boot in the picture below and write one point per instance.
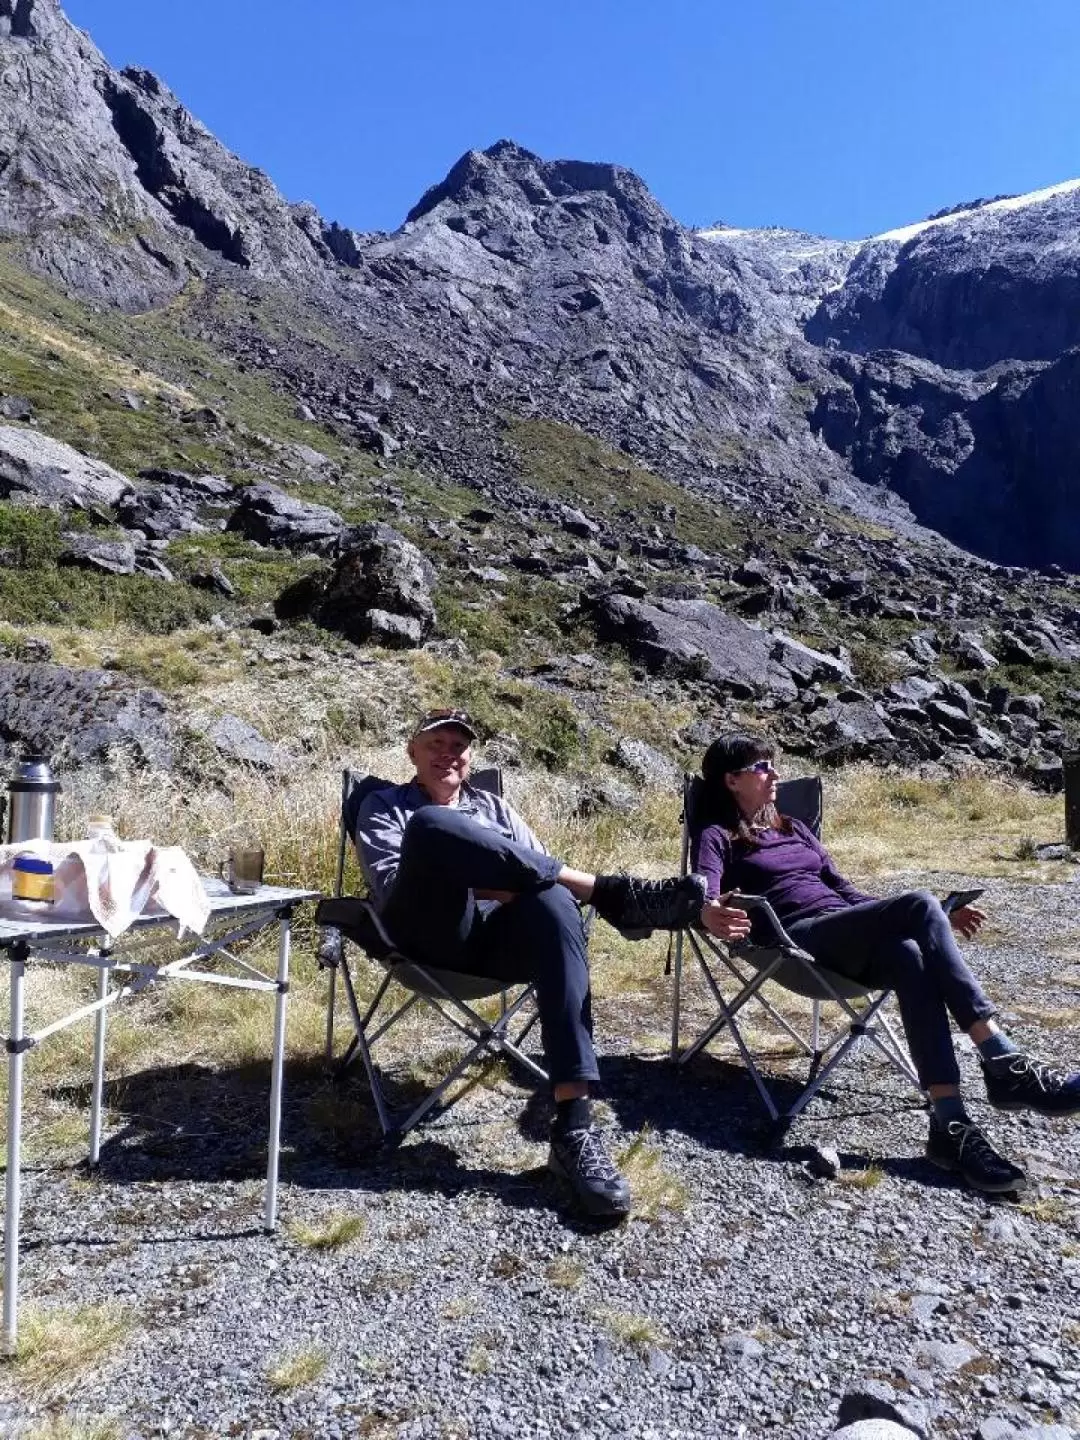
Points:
(580, 1160)
(960, 1146)
(1016, 1082)
(637, 907)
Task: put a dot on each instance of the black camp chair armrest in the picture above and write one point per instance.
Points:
(774, 936)
(356, 919)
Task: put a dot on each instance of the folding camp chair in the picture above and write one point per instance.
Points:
(447, 992)
(777, 958)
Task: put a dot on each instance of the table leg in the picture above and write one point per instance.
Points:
(99, 1068)
(14, 1159)
(276, 1073)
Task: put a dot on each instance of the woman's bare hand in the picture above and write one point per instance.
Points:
(968, 920)
(724, 920)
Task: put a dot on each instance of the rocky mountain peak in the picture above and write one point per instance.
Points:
(29, 19)
(508, 174)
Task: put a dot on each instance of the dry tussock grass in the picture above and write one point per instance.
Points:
(33, 333)
(300, 1367)
(334, 1233)
(565, 1272)
(631, 1329)
(75, 1427)
(879, 823)
(56, 1347)
(654, 1189)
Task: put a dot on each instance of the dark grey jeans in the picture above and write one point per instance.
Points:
(904, 944)
(433, 916)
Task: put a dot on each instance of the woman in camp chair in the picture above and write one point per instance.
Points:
(904, 943)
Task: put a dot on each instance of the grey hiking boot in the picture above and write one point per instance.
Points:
(1016, 1082)
(637, 907)
(960, 1146)
(580, 1160)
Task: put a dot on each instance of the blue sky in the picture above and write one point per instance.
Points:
(844, 117)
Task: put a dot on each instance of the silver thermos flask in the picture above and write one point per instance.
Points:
(32, 793)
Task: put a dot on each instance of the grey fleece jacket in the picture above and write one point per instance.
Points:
(380, 828)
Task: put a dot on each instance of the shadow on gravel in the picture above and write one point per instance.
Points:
(194, 1123)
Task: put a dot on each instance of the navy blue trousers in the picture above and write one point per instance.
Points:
(433, 915)
(904, 944)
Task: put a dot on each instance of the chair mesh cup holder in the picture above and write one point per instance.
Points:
(449, 994)
(735, 976)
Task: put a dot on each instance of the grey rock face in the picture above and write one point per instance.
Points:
(269, 516)
(236, 740)
(915, 292)
(114, 557)
(39, 470)
(645, 763)
(379, 590)
(938, 366)
(15, 407)
(694, 638)
(78, 716)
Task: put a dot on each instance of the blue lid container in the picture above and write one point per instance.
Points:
(31, 865)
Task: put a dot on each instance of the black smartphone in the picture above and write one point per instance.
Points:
(957, 899)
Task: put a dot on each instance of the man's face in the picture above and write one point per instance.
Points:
(442, 758)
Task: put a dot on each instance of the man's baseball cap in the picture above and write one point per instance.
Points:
(437, 719)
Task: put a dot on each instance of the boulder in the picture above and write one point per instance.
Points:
(394, 632)
(79, 716)
(207, 487)
(647, 765)
(914, 689)
(114, 557)
(971, 653)
(950, 718)
(379, 581)
(807, 666)
(877, 1400)
(160, 513)
(270, 517)
(694, 638)
(236, 740)
(16, 407)
(850, 730)
(39, 470)
(921, 646)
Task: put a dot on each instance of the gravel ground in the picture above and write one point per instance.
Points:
(474, 1305)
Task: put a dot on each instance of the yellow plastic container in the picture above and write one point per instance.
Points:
(33, 879)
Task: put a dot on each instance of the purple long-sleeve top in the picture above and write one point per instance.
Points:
(794, 873)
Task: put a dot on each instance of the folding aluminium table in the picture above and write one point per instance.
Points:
(26, 943)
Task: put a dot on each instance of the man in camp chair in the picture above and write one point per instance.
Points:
(462, 883)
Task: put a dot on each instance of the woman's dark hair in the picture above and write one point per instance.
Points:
(724, 756)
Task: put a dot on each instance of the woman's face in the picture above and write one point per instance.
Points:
(754, 787)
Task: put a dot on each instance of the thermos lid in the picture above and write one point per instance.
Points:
(35, 774)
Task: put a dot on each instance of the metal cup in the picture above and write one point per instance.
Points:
(243, 869)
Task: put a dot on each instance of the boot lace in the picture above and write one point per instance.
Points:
(1049, 1080)
(974, 1143)
(589, 1156)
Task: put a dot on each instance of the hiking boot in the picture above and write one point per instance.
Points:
(580, 1160)
(637, 907)
(962, 1147)
(1016, 1082)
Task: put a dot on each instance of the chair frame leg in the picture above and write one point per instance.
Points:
(485, 1037)
(826, 1054)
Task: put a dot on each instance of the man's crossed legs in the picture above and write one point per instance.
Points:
(435, 916)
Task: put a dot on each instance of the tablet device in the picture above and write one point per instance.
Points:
(957, 899)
